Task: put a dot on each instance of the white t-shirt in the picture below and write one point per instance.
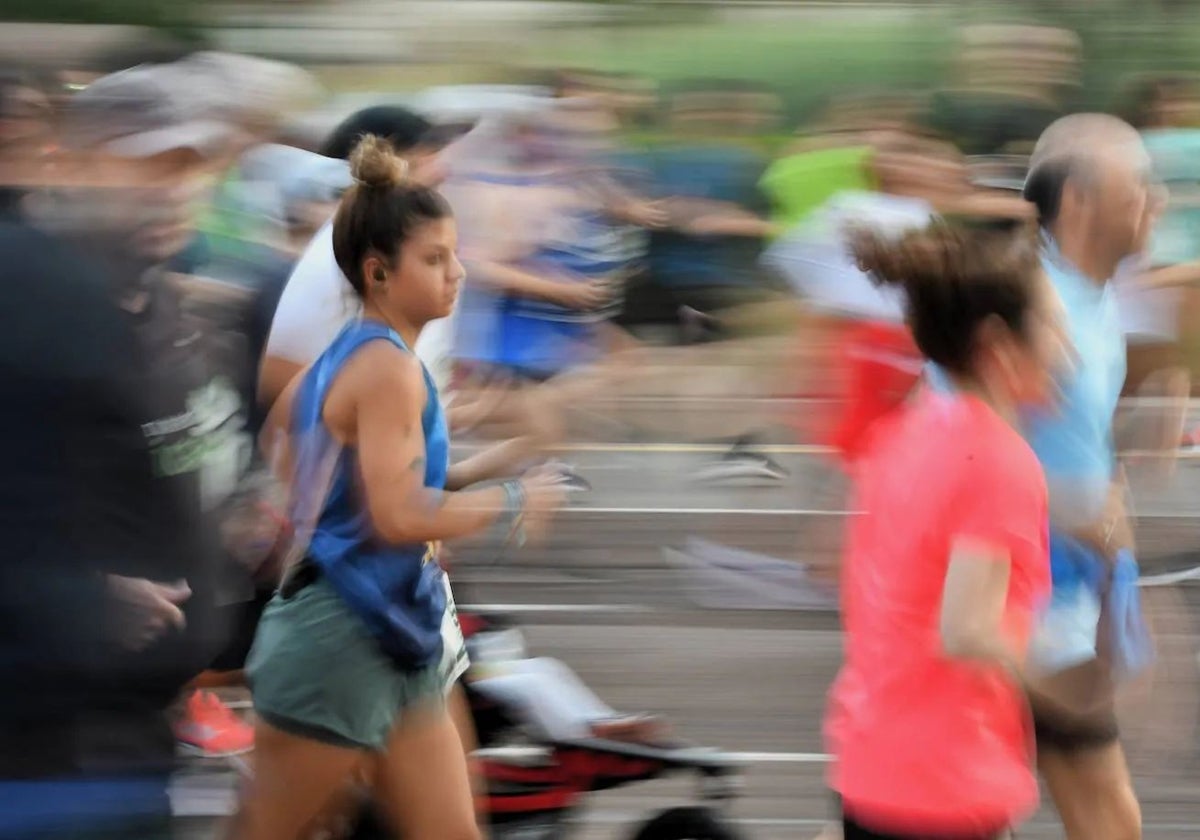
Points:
(318, 301)
(815, 260)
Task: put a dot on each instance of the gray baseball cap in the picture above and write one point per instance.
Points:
(234, 88)
(141, 112)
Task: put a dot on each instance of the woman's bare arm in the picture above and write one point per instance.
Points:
(499, 461)
(385, 390)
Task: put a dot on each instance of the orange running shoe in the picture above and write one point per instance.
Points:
(210, 729)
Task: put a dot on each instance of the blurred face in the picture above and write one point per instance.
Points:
(569, 136)
(919, 173)
(425, 165)
(1178, 108)
(422, 283)
(1116, 202)
(25, 126)
(149, 203)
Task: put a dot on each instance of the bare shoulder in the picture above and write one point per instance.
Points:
(379, 363)
(380, 375)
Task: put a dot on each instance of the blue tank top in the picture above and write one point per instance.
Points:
(396, 589)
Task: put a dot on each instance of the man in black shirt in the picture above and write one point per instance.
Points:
(120, 445)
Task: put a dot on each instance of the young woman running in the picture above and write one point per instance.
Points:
(946, 567)
(354, 656)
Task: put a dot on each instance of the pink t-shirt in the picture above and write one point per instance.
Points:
(924, 743)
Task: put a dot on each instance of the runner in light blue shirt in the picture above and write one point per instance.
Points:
(1075, 441)
(1089, 178)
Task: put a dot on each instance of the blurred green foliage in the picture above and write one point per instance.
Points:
(808, 56)
(165, 14)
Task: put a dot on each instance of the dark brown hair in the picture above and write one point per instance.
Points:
(955, 277)
(381, 210)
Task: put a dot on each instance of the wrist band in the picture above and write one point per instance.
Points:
(514, 505)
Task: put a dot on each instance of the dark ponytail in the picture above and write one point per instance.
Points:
(954, 278)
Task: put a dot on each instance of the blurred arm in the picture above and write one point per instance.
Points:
(315, 304)
(499, 461)
(391, 455)
(1183, 274)
(274, 374)
(505, 278)
(973, 600)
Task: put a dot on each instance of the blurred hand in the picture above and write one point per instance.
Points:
(545, 492)
(648, 214)
(582, 297)
(445, 557)
(145, 610)
(1113, 532)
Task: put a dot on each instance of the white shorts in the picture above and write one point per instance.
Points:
(1065, 637)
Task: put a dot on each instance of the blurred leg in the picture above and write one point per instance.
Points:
(423, 785)
(460, 712)
(1092, 792)
(295, 780)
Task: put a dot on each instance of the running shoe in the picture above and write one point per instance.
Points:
(744, 467)
(210, 729)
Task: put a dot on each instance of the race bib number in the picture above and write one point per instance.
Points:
(454, 649)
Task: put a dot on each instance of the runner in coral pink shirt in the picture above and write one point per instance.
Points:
(927, 742)
(947, 566)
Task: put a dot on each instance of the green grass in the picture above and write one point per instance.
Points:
(803, 59)
(809, 56)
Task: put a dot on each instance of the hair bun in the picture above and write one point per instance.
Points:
(374, 164)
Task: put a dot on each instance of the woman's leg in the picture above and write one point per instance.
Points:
(460, 712)
(295, 779)
(1092, 792)
(423, 786)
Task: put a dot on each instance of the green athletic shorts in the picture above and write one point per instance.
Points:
(315, 671)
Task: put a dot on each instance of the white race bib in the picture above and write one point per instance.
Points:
(454, 649)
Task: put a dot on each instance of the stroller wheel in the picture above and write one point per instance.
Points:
(688, 823)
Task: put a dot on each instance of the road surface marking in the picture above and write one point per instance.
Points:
(556, 608)
(671, 511)
(780, 757)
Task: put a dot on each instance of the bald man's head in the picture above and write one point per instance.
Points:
(1090, 179)
(1080, 148)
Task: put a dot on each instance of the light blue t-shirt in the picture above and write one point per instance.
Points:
(1073, 440)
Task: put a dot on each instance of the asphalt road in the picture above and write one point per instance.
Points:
(601, 596)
